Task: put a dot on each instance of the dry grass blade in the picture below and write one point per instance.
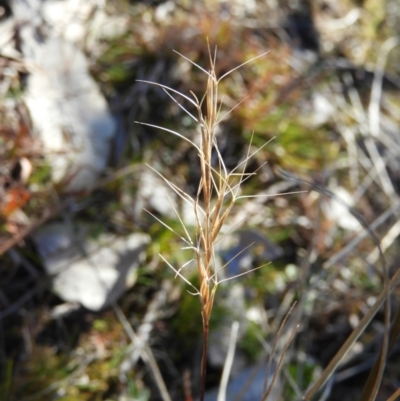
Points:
(251, 155)
(168, 227)
(374, 380)
(270, 195)
(236, 255)
(169, 89)
(241, 65)
(333, 364)
(181, 107)
(146, 354)
(278, 368)
(193, 63)
(242, 274)
(171, 132)
(182, 194)
(394, 331)
(230, 111)
(376, 92)
(374, 377)
(228, 362)
(180, 219)
(394, 396)
(282, 325)
(177, 272)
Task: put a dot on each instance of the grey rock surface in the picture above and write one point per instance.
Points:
(93, 272)
(68, 111)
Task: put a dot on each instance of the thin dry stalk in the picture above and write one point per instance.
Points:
(267, 391)
(228, 362)
(333, 364)
(395, 395)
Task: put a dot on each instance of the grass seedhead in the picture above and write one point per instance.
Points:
(217, 192)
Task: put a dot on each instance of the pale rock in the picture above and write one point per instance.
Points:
(337, 210)
(83, 22)
(68, 111)
(69, 114)
(93, 272)
(323, 109)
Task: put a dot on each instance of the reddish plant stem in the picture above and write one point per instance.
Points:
(204, 360)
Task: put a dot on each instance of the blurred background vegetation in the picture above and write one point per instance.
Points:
(312, 94)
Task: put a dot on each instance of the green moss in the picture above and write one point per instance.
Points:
(303, 373)
(95, 230)
(118, 74)
(136, 392)
(16, 90)
(250, 342)
(270, 279)
(187, 323)
(6, 379)
(100, 325)
(41, 174)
